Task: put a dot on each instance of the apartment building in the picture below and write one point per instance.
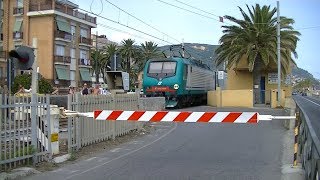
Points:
(63, 37)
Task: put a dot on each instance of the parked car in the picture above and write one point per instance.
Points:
(294, 93)
(304, 94)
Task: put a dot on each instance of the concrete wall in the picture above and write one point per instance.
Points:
(152, 103)
(239, 80)
(230, 98)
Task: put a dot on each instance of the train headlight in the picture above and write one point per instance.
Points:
(176, 86)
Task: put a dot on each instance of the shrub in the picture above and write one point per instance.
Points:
(25, 80)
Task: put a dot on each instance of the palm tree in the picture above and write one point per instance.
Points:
(127, 51)
(111, 50)
(99, 60)
(255, 38)
(149, 50)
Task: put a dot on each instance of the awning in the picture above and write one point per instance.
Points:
(85, 74)
(62, 72)
(63, 25)
(17, 26)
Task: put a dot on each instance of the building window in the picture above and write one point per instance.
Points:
(63, 25)
(84, 60)
(59, 50)
(1, 4)
(19, 3)
(84, 33)
(73, 30)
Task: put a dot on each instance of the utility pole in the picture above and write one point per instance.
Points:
(96, 59)
(278, 53)
(115, 61)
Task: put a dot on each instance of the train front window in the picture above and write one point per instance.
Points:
(162, 67)
(155, 67)
(169, 67)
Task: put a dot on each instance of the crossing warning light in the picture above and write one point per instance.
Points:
(23, 57)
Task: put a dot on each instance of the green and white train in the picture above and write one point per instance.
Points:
(181, 81)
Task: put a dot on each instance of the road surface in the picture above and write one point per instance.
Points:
(189, 151)
(311, 106)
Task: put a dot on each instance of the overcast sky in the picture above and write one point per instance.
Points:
(188, 27)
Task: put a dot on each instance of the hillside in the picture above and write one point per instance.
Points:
(205, 53)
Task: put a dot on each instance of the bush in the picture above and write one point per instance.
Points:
(25, 80)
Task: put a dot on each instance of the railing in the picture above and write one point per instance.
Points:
(309, 146)
(84, 40)
(18, 10)
(62, 8)
(85, 62)
(62, 59)
(18, 35)
(63, 35)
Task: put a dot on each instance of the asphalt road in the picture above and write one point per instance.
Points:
(311, 106)
(189, 151)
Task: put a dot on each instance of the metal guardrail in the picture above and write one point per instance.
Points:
(309, 146)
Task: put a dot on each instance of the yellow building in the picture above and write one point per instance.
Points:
(240, 89)
(63, 37)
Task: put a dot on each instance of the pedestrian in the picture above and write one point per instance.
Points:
(85, 90)
(71, 90)
(96, 90)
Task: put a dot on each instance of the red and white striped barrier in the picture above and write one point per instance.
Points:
(172, 116)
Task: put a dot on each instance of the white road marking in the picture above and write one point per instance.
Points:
(311, 101)
(90, 159)
(115, 150)
(124, 155)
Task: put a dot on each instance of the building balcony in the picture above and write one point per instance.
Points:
(61, 35)
(3, 54)
(85, 41)
(62, 59)
(63, 8)
(84, 62)
(17, 35)
(18, 10)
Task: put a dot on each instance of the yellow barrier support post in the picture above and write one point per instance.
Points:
(296, 134)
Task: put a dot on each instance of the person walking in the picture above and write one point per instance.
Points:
(85, 90)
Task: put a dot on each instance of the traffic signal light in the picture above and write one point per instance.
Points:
(23, 57)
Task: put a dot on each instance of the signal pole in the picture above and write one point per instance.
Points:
(96, 59)
(278, 53)
(34, 81)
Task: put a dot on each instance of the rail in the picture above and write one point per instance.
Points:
(309, 146)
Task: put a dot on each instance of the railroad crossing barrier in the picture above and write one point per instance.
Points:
(175, 116)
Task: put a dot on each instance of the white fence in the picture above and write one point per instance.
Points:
(84, 131)
(24, 130)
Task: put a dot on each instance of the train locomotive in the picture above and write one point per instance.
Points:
(180, 80)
